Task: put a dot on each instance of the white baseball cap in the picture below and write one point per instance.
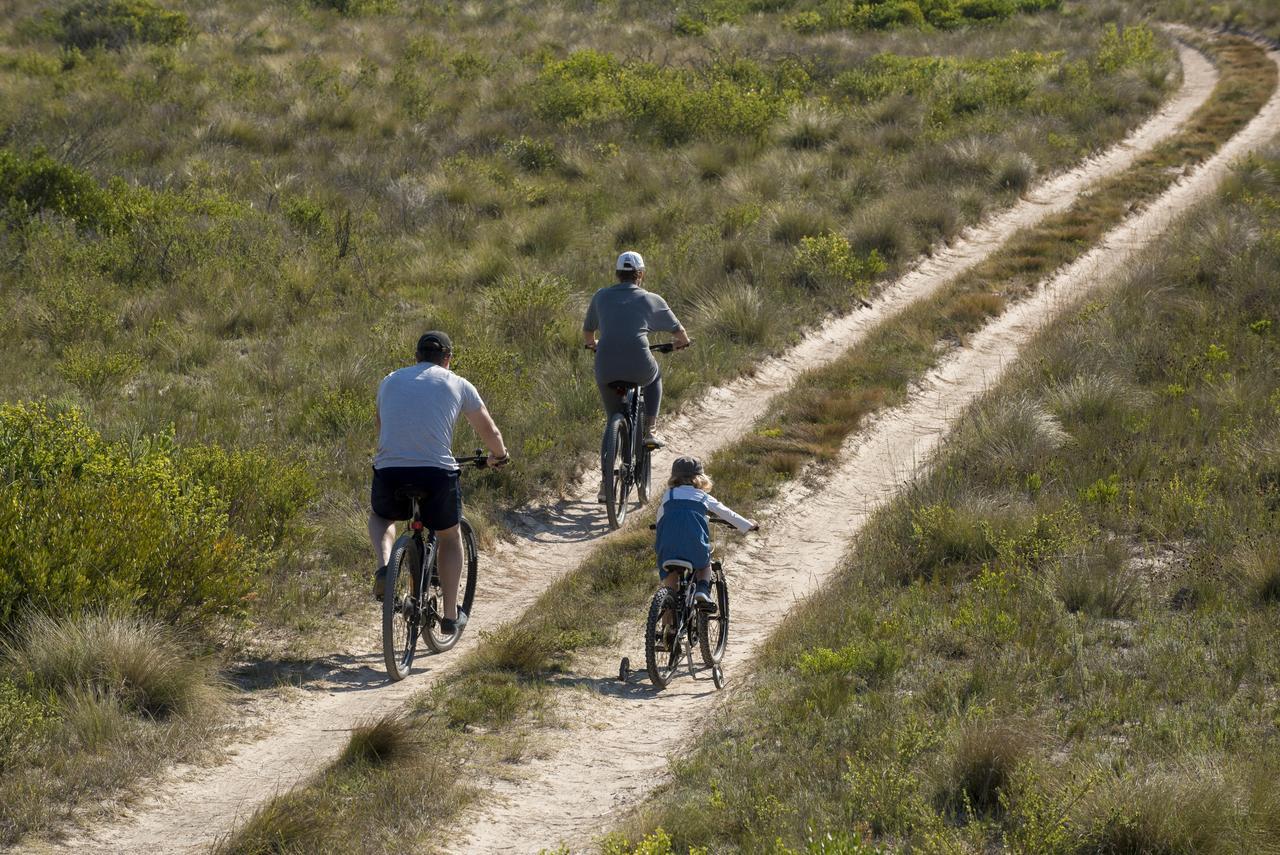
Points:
(629, 261)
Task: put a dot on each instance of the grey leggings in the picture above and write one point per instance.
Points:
(613, 404)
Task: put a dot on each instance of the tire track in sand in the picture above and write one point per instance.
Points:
(193, 807)
(614, 748)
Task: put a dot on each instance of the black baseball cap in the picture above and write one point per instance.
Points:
(686, 467)
(434, 341)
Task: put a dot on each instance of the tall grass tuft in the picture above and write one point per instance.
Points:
(1190, 809)
(1020, 436)
(379, 742)
(1257, 568)
(1098, 581)
(1090, 398)
(735, 311)
(984, 758)
(114, 658)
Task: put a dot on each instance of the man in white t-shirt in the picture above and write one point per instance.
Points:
(417, 409)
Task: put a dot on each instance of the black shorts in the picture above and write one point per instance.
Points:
(441, 507)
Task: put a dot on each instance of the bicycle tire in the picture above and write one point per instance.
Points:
(713, 629)
(438, 641)
(661, 664)
(614, 455)
(400, 618)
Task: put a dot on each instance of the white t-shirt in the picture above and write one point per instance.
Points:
(419, 406)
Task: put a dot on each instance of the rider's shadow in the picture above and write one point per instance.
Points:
(567, 521)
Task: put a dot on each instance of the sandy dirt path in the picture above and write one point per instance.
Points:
(193, 807)
(618, 736)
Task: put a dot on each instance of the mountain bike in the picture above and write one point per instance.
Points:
(413, 599)
(623, 451)
(676, 625)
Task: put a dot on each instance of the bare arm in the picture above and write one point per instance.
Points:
(489, 434)
(680, 339)
(589, 339)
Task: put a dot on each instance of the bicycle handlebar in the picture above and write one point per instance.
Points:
(480, 460)
(664, 347)
(710, 519)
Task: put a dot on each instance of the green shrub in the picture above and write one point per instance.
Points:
(828, 260)
(532, 155)
(1126, 48)
(355, 8)
(39, 183)
(93, 370)
(112, 24)
(89, 523)
(26, 719)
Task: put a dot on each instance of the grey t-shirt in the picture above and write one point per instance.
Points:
(419, 406)
(625, 314)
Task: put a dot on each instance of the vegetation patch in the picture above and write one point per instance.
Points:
(113, 24)
(175, 533)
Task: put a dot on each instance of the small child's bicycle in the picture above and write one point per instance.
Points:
(676, 625)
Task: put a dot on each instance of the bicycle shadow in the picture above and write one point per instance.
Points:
(635, 687)
(343, 673)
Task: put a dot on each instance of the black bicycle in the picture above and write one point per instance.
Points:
(412, 609)
(623, 452)
(677, 624)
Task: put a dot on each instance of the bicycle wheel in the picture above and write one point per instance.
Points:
(615, 456)
(437, 640)
(661, 664)
(400, 609)
(713, 627)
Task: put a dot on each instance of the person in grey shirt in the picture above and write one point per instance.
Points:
(416, 411)
(624, 314)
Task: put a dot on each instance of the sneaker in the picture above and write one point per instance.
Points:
(449, 627)
(380, 582)
(603, 496)
(663, 642)
(652, 440)
(702, 597)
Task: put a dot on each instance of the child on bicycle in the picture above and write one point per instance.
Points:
(683, 533)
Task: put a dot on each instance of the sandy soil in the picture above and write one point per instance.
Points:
(618, 736)
(194, 807)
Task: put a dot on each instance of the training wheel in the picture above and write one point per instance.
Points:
(624, 669)
(717, 675)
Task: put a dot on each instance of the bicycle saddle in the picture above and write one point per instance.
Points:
(621, 387)
(675, 565)
(411, 493)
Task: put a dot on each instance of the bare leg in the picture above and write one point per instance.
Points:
(652, 404)
(382, 534)
(449, 566)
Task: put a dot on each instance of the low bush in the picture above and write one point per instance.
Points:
(730, 99)
(90, 523)
(32, 185)
(829, 261)
(112, 24)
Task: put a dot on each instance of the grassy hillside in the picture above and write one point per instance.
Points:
(234, 219)
(1064, 638)
(224, 222)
